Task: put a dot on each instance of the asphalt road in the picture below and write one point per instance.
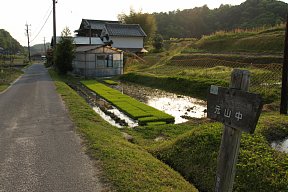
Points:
(39, 149)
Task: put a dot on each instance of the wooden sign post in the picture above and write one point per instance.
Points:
(239, 111)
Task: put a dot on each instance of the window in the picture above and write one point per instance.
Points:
(100, 57)
(109, 59)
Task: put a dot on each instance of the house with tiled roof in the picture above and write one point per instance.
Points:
(92, 28)
(127, 37)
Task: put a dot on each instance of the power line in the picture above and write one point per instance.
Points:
(42, 26)
(44, 18)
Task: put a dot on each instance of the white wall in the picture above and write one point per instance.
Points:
(127, 42)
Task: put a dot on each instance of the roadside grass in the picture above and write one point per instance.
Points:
(126, 166)
(7, 76)
(133, 108)
(192, 150)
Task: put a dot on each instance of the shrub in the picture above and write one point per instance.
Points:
(64, 53)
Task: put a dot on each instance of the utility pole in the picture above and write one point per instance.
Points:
(44, 46)
(284, 95)
(27, 32)
(54, 24)
(10, 50)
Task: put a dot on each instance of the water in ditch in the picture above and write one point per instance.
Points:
(181, 107)
(280, 145)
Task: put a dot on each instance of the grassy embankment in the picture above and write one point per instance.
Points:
(128, 167)
(7, 76)
(269, 41)
(192, 150)
(145, 114)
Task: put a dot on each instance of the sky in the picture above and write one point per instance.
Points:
(16, 13)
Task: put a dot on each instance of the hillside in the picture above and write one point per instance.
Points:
(202, 20)
(38, 48)
(8, 43)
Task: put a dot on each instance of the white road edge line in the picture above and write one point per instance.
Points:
(11, 84)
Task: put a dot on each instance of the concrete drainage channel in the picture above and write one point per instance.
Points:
(108, 112)
(181, 107)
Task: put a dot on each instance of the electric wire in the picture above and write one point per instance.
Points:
(44, 18)
(42, 26)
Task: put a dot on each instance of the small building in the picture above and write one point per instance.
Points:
(36, 56)
(82, 41)
(92, 28)
(127, 37)
(98, 61)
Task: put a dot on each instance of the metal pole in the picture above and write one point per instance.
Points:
(85, 66)
(90, 34)
(44, 46)
(284, 95)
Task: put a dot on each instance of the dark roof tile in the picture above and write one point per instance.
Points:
(133, 30)
(96, 24)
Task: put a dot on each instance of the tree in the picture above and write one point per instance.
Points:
(145, 20)
(49, 58)
(203, 21)
(158, 42)
(64, 53)
(8, 43)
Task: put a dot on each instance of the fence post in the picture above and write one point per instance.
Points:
(230, 143)
(284, 95)
(85, 72)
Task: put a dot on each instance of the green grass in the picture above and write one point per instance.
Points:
(110, 82)
(126, 166)
(192, 150)
(7, 76)
(133, 108)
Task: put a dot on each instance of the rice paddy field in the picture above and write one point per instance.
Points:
(145, 114)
